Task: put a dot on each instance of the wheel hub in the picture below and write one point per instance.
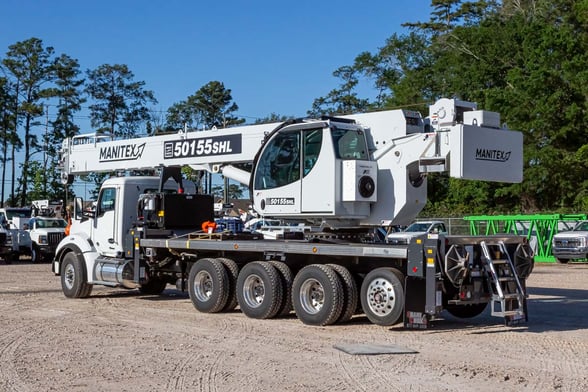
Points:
(312, 296)
(381, 297)
(253, 291)
(69, 276)
(203, 286)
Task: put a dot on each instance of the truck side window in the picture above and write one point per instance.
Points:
(107, 200)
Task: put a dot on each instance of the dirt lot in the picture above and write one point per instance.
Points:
(119, 340)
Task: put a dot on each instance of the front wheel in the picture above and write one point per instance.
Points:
(36, 254)
(74, 281)
(382, 296)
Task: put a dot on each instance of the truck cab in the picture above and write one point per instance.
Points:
(100, 229)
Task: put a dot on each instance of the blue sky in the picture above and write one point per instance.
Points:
(275, 56)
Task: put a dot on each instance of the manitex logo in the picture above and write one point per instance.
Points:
(483, 154)
(125, 152)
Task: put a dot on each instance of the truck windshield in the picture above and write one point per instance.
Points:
(349, 144)
(18, 213)
(48, 223)
(417, 227)
(583, 226)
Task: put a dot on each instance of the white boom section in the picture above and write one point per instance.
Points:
(100, 153)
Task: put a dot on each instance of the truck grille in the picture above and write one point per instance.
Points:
(54, 238)
(568, 242)
(2, 238)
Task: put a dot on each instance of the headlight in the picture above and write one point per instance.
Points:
(43, 239)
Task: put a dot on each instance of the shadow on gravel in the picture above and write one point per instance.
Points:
(167, 295)
(549, 309)
(555, 309)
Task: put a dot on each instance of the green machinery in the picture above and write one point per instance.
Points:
(539, 228)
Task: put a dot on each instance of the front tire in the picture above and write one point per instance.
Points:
(36, 254)
(73, 277)
(208, 285)
(382, 296)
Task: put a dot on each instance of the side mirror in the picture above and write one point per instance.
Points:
(78, 208)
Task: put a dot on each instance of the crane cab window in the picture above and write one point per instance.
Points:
(312, 147)
(284, 155)
(279, 163)
(106, 201)
(349, 144)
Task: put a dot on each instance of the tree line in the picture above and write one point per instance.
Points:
(526, 59)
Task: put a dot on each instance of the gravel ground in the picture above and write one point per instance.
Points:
(119, 340)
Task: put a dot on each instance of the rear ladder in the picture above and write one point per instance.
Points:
(509, 298)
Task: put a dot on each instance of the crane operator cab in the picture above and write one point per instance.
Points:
(316, 169)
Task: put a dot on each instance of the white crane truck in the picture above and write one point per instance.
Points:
(345, 174)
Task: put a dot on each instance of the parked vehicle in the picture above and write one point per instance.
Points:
(571, 245)
(45, 233)
(16, 223)
(416, 229)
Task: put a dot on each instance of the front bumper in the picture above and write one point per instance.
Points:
(47, 249)
(570, 253)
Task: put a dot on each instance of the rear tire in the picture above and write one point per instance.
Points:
(233, 274)
(208, 285)
(287, 279)
(317, 295)
(259, 290)
(350, 292)
(73, 277)
(382, 296)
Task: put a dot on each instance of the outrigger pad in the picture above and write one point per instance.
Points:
(373, 349)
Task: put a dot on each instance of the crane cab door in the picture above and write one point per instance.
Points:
(286, 180)
(105, 221)
(318, 173)
(276, 189)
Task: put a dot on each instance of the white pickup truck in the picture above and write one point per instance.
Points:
(416, 229)
(45, 233)
(571, 245)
